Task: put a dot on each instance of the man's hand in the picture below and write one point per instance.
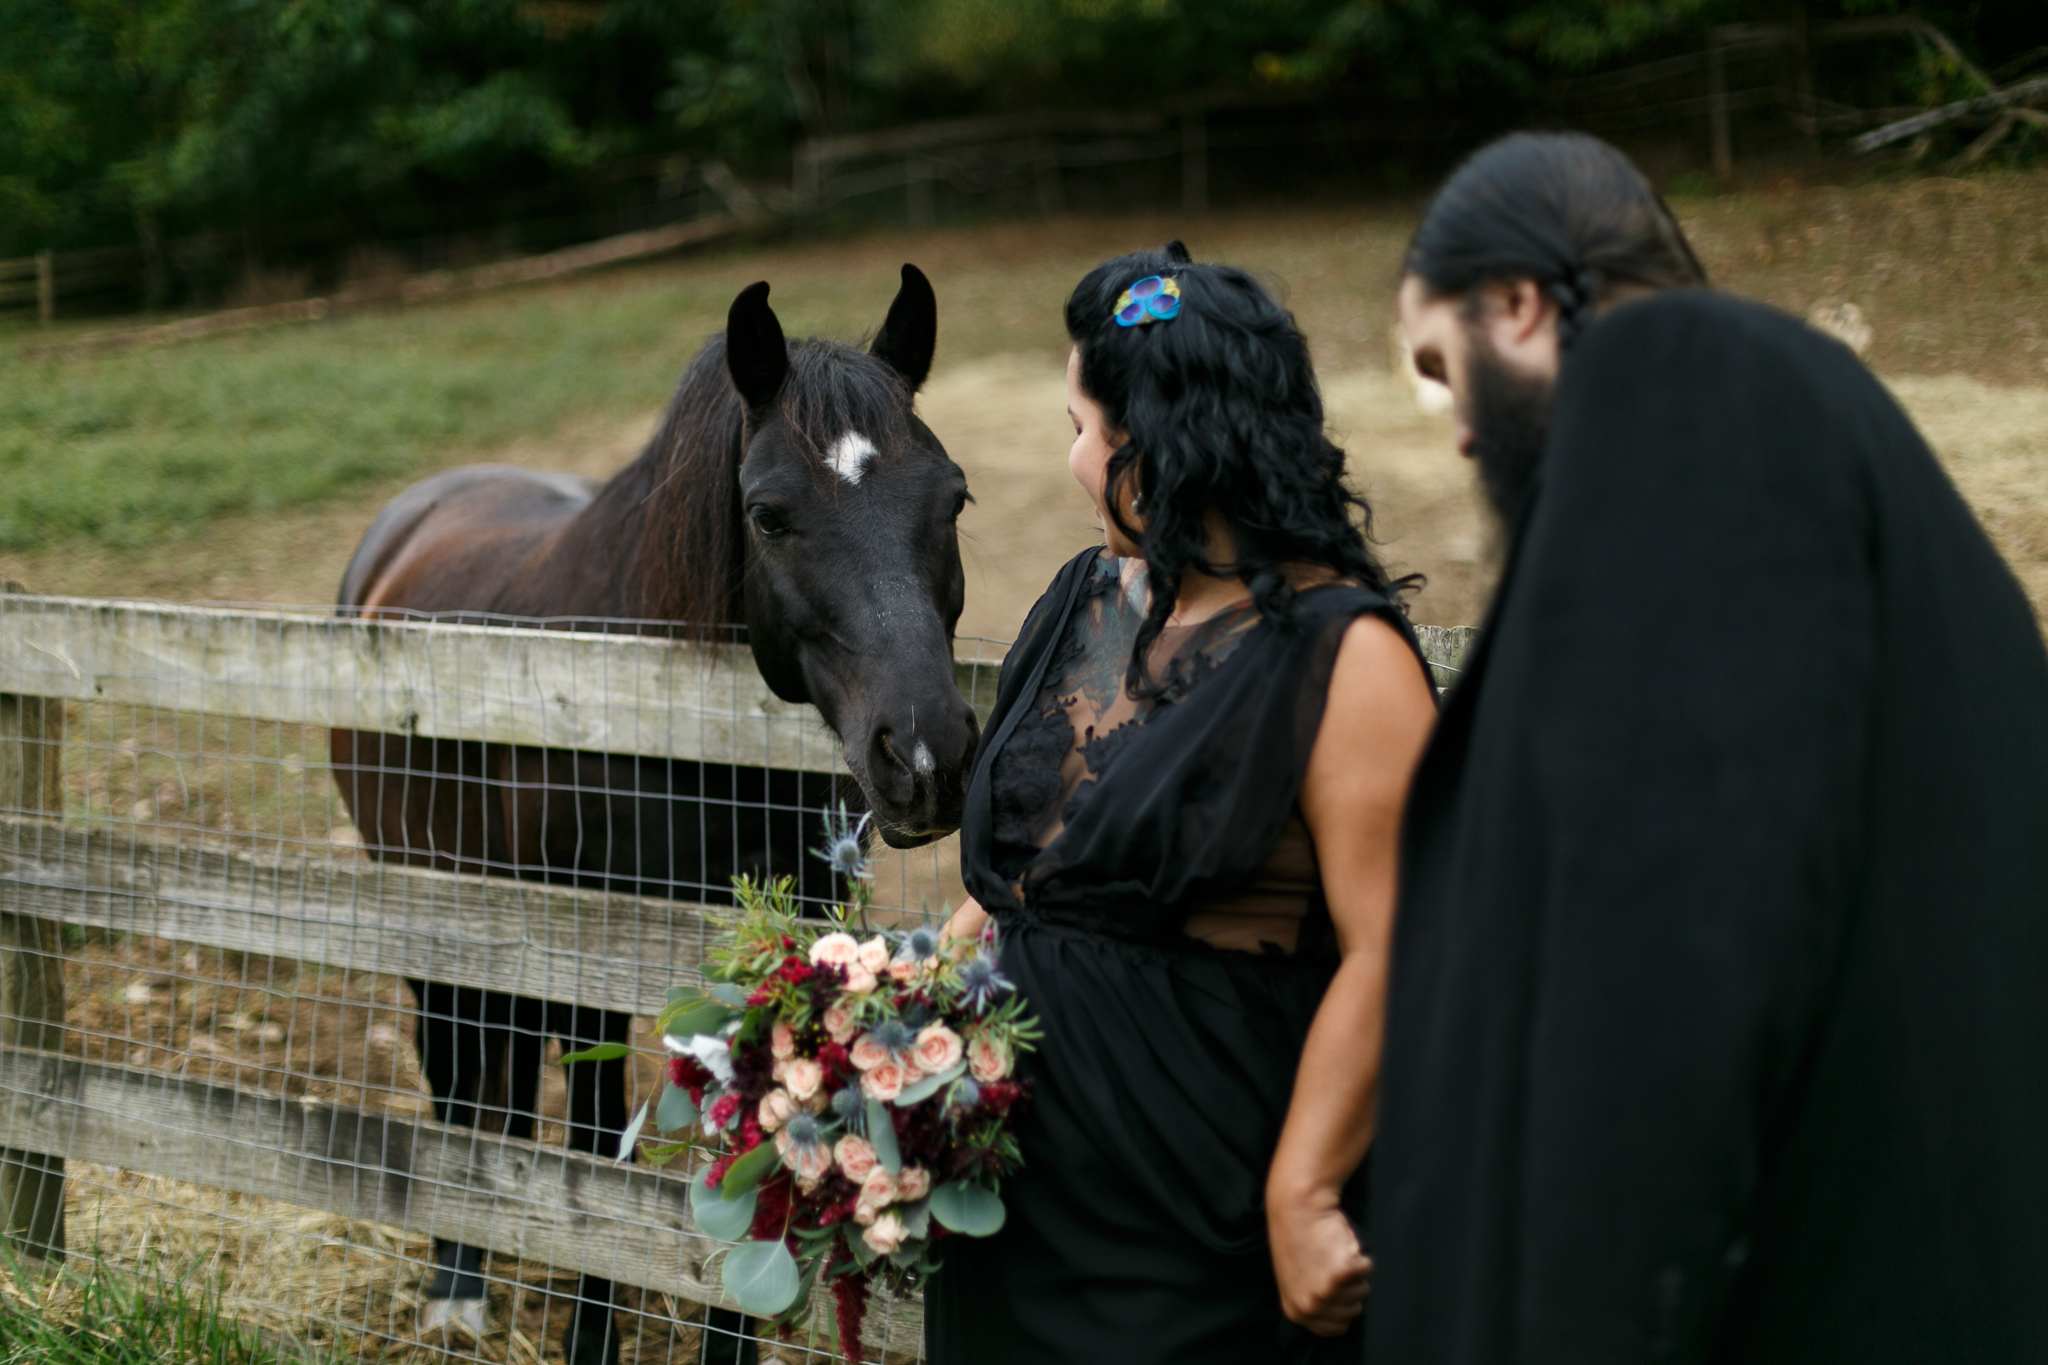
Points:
(1324, 1274)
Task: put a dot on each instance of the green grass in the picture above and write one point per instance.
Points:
(117, 448)
(99, 1316)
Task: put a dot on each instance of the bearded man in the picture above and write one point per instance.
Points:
(1718, 1026)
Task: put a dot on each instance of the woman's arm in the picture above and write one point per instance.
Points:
(1375, 723)
(966, 924)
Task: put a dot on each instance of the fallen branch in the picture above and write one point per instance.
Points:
(1948, 113)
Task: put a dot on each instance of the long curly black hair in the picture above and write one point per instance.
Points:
(1222, 412)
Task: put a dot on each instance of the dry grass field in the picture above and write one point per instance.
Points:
(1952, 274)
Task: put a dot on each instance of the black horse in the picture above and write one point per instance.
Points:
(791, 496)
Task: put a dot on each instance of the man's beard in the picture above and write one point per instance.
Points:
(1510, 417)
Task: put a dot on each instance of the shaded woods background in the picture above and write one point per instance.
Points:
(291, 128)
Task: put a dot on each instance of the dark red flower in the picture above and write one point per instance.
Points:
(850, 1309)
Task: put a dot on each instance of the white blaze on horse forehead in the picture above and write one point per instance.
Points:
(849, 456)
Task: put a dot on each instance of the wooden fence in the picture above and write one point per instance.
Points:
(73, 865)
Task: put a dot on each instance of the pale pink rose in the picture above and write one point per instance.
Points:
(859, 980)
(876, 1192)
(776, 1071)
(839, 1024)
(874, 955)
(803, 1077)
(885, 1234)
(913, 1184)
(987, 1059)
(777, 1108)
(879, 1187)
(868, 1054)
(835, 950)
(782, 1040)
(884, 1081)
(856, 1157)
(902, 971)
(937, 1048)
(812, 1161)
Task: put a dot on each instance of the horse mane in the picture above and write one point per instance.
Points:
(682, 495)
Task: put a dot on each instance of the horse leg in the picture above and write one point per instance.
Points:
(459, 1051)
(597, 1117)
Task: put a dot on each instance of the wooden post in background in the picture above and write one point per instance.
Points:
(46, 286)
(1194, 163)
(31, 963)
(1717, 107)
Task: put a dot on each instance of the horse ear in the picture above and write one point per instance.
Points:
(1178, 253)
(756, 356)
(911, 332)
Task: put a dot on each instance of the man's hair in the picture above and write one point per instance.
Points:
(1563, 209)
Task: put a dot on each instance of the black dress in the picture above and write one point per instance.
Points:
(1102, 835)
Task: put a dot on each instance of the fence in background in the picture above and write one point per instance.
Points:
(206, 1041)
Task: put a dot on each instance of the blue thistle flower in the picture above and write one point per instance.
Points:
(981, 984)
(966, 1092)
(918, 945)
(851, 1109)
(845, 848)
(895, 1036)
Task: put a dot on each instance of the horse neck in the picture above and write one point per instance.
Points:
(665, 529)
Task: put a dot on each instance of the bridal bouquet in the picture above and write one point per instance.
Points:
(856, 1091)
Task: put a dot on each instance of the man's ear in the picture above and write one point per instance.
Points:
(1519, 321)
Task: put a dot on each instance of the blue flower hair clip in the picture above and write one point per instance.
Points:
(1156, 298)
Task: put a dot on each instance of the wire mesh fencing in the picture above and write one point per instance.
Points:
(299, 913)
(297, 916)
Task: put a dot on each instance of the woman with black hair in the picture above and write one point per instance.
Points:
(1183, 821)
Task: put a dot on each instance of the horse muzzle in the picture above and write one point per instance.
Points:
(913, 764)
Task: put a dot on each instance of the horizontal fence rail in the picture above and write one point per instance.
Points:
(289, 947)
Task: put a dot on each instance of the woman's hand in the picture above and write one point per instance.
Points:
(964, 929)
(1323, 1273)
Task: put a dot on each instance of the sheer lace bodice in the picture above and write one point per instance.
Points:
(1081, 723)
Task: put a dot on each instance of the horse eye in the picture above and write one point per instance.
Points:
(768, 521)
(959, 504)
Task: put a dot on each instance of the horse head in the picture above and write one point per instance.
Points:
(852, 583)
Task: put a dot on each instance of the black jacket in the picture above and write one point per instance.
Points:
(1719, 1013)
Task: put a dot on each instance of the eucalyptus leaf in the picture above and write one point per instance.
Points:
(720, 1218)
(603, 1052)
(751, 1169)
(729, 993)
(677, 994)
(882, 1137)
(917, 1219)
(930, 1085)
(967, 1208)
(762, 1278)
(705, 1016)
(676, 1110)
(863, 1254)
(632, 1133)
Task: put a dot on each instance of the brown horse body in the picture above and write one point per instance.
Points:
(790, 498)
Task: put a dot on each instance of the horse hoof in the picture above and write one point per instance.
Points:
(471, 1317)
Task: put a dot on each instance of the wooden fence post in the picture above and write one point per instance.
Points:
(1717, 106)
(46, 286)
(31, 963)
(917, 189)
